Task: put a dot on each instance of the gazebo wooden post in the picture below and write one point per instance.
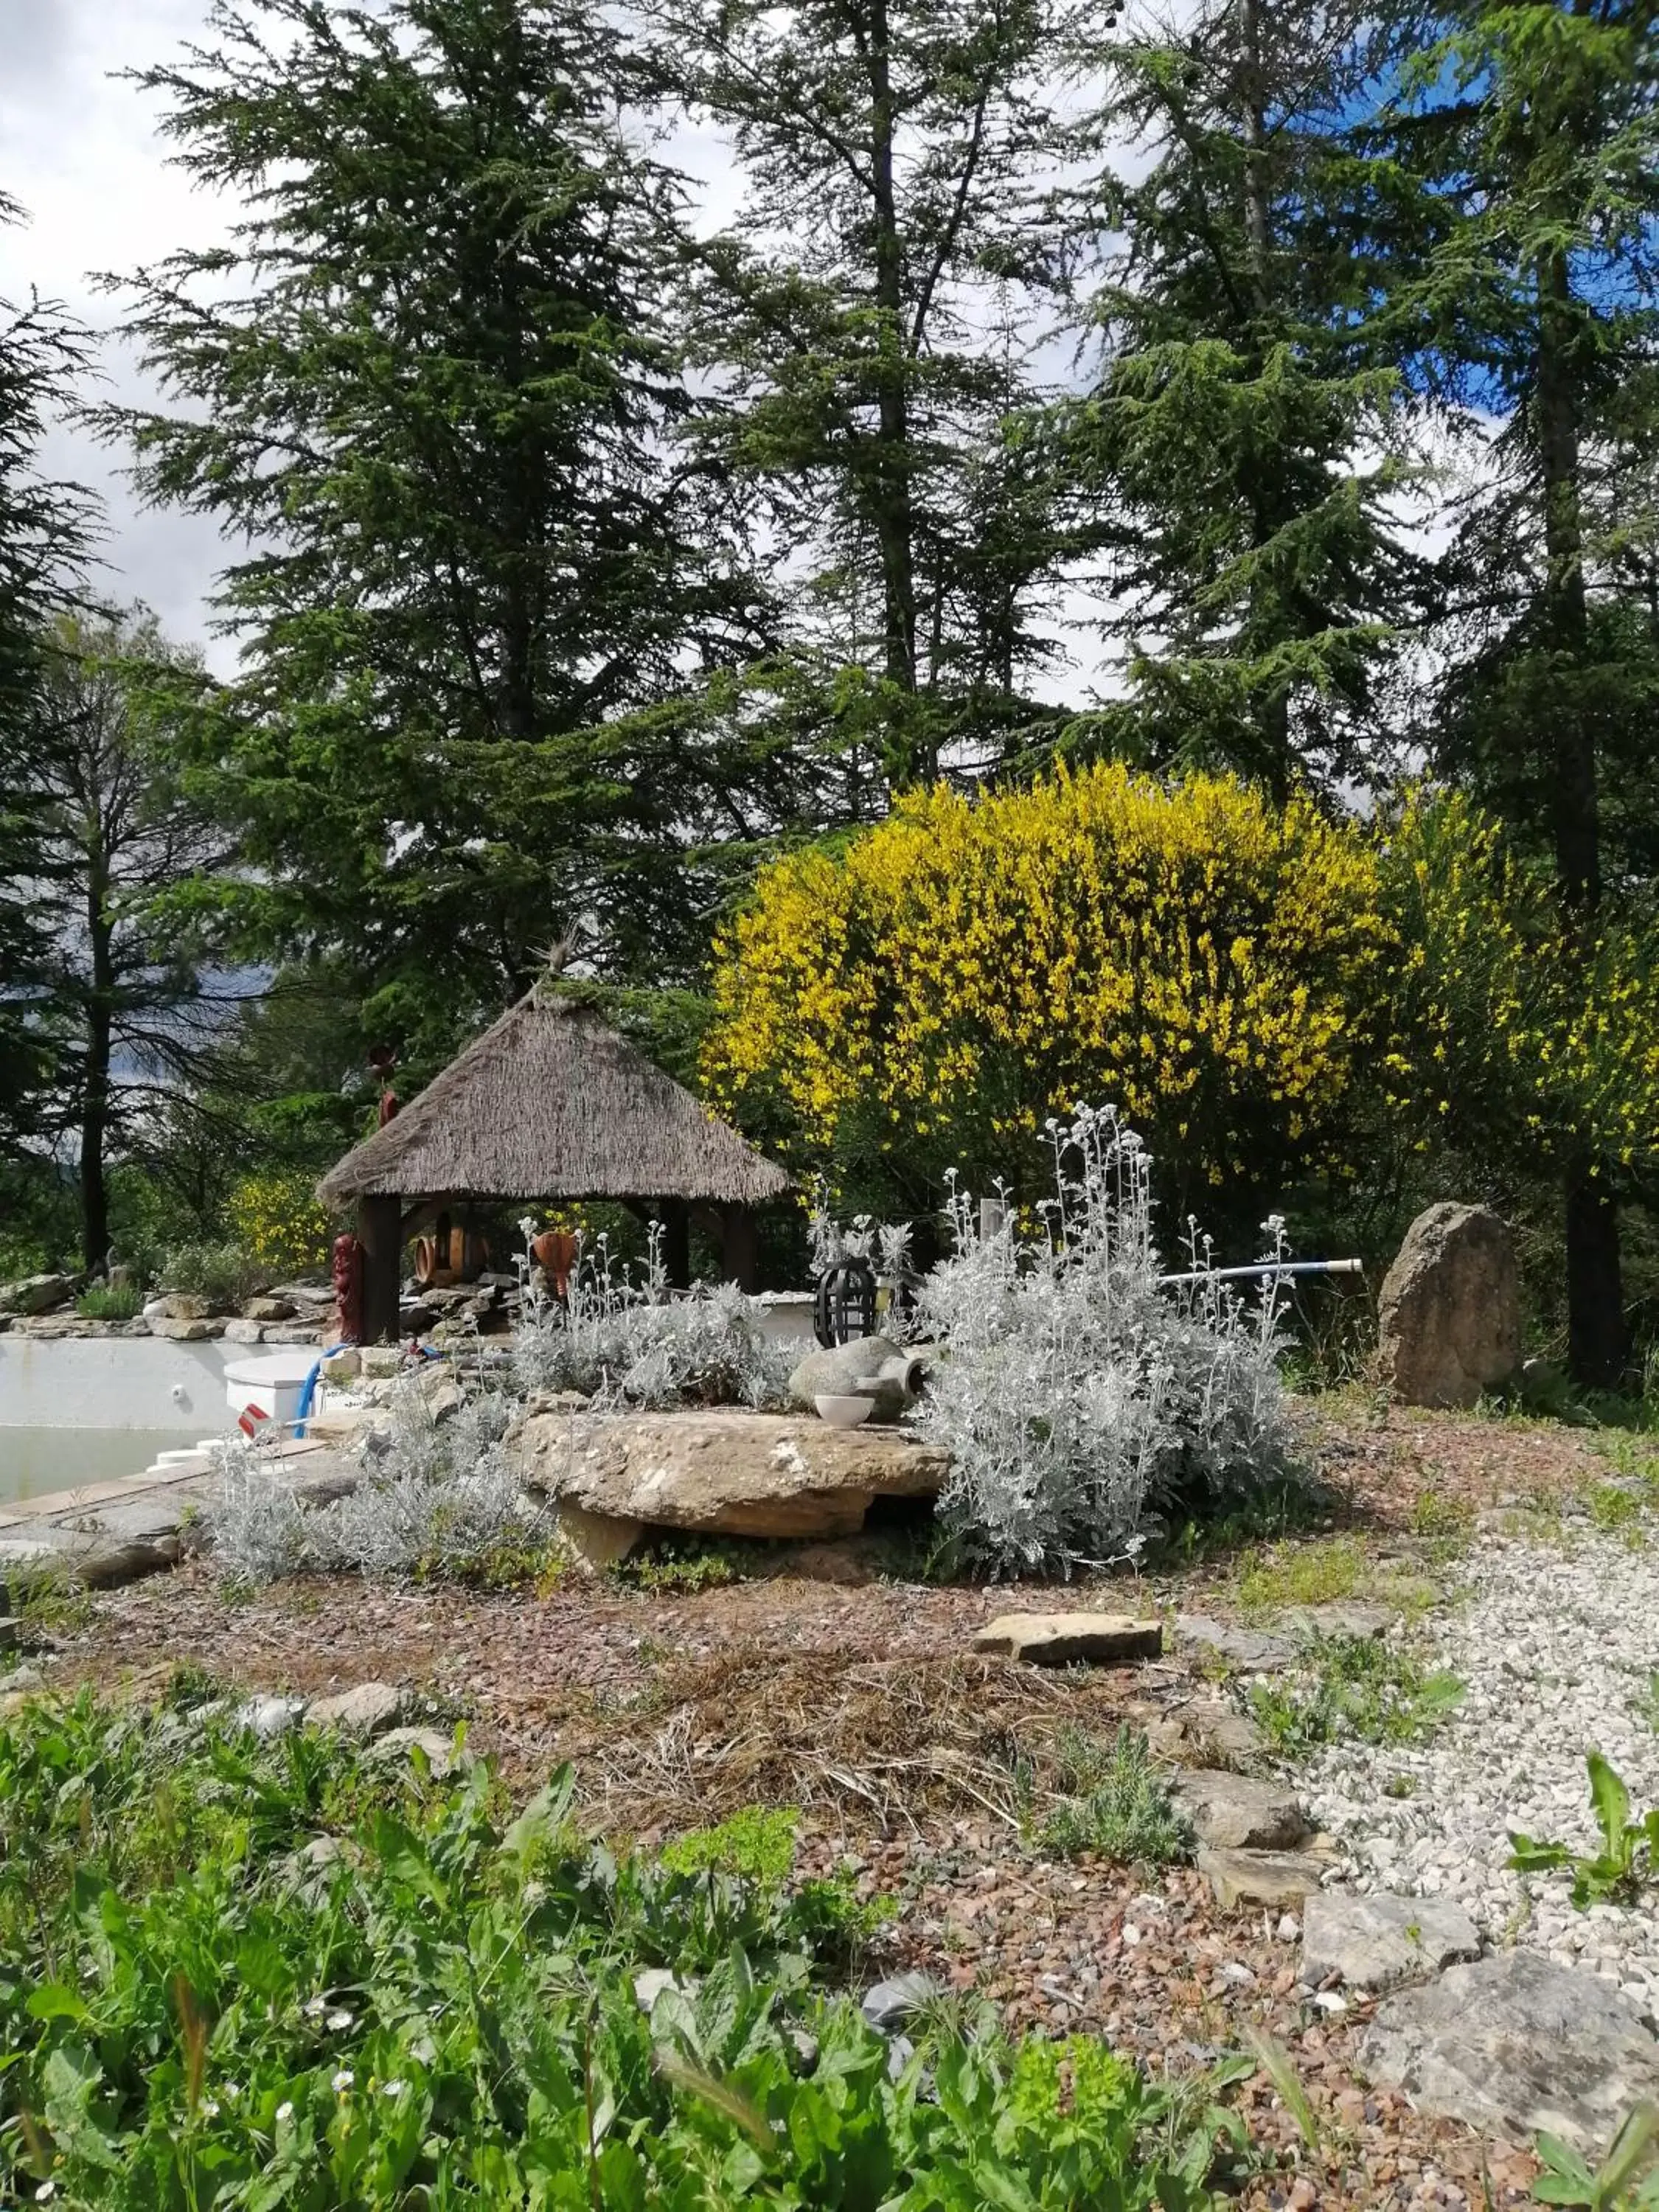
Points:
(380, 1231)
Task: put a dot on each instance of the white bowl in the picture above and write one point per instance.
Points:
(843, 1413)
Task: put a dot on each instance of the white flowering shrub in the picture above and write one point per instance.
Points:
(1078, 1399)
(436, 1496)
(634, 1344)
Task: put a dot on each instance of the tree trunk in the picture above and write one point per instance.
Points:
(906, 761)
(95, 1078)
(1595, 1321)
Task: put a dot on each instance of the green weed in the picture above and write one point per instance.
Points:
(1623, 2182)
(1361, 1687)
(196, 2007)
(1628, 1859)
(1305, 1574)
(106, 1302)
(756, 1845)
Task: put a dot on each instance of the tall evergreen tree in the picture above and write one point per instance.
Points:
(868, 323)
(1235, 466)
(119, 987)
(1533, 131)
(424, 382)
(46, 532)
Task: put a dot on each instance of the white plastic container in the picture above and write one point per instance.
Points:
(266, 1390)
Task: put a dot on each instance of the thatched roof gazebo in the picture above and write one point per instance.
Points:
(548, 1102)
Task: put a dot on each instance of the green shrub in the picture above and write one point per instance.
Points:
(199, 2007)
(107, 1301)
(756, 1845)
(1112, 1802)
(221, 1273)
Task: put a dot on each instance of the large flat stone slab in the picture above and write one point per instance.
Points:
(725, 1473)
(1381, 1941)
(1057, 1639)
(1236, 1812)
(1514, 2044)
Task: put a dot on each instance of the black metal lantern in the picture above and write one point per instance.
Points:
(846, 1303)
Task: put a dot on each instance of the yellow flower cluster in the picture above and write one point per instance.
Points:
(965, 969)
(276, 1220)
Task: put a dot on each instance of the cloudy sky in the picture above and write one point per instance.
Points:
(80, 150)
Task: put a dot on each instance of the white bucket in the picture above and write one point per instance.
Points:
(265, 1391)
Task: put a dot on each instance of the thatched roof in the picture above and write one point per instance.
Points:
(552, 1103)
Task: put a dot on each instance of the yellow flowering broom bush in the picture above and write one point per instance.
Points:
(275, 1218)
(927, 997)
(1518, 1042)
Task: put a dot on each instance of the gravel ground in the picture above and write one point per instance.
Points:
(1556, 1643)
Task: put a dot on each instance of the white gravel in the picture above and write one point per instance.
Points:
(1555, 1646)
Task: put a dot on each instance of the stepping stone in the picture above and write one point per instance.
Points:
(1235, 1812)
(1377, 1942)
(1251, 1649)
(1055, 1639)
(1514, 2044)
(1265, 1882)
(363, 1712)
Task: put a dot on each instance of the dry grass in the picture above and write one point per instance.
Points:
(852, 1741)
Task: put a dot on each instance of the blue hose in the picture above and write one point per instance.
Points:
(309, 1390)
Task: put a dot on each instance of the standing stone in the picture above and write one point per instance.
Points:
(1449, 1322)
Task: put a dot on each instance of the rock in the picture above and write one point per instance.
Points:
(1204, 1733)
(890, 2003)
(9, 1628)
(596, 1541)
(244, 1331)
(366, 1710)
(178, 1306)
(1515, 2044)
(1251, 1649)
(271, 1716)
(1341, 1617)
(440, 1749)
(345, 1367)
(35, 1294)
(725, 1473)
(182, 1332)
(23, 1682)
(1449, 1321)
(270, 1309)
(1055, 1639)
(1267, 1880)
(416, 1318)
(843, 1370)
(1234, 1812)
(1377, 1942)
(381, 1360)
